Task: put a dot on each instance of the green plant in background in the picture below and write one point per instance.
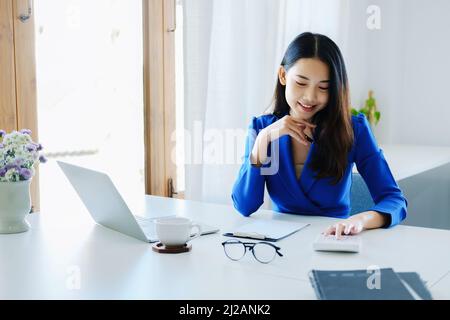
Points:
(370, 110)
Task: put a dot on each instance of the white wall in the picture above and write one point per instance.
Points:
(407, 67)
(354, 50)
(426, 74)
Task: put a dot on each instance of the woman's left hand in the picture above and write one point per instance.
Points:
(349, 226)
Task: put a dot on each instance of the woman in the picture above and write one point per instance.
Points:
(305, 148)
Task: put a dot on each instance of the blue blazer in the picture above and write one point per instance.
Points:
(308, 195)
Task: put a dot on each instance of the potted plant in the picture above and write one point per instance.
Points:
(18, 156)
(370, 110)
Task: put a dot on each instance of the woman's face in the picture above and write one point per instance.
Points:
(307, 83)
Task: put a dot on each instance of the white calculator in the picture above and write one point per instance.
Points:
(344, 244)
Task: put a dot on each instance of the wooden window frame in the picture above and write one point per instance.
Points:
(18, 100)
(159, 96)
(18, 92)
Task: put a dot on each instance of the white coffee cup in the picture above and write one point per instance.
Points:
(176, 231)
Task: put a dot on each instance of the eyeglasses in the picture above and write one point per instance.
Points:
(264, 252)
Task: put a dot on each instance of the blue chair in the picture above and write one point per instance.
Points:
(360, 197)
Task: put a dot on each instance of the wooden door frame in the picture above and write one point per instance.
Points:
(26, 90)
(18, 101)
(8, 111)
(159, 18)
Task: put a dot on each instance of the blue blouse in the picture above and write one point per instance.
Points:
(308, 195)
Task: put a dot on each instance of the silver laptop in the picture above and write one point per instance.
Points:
(107, 207)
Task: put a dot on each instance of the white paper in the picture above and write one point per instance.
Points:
(269, 229)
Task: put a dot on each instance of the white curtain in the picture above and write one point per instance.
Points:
(232, 51)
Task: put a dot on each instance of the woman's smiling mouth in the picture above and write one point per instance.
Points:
(306, 107)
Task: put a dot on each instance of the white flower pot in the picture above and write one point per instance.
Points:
(15, 205)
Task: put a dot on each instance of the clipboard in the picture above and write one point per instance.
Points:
(267, 230)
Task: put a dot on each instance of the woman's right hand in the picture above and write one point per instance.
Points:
(285, 126)
(295, 128)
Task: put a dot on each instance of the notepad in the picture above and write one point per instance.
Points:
(359, 285)
(267, 230)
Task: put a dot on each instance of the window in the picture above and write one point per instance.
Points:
(90, 91)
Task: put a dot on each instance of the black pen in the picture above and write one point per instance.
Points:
(251, 235)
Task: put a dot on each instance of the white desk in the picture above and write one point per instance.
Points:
(42, 263)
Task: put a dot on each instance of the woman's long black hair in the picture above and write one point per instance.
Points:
(333, 136)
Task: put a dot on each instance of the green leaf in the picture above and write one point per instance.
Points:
(377, 116)
(370, 102)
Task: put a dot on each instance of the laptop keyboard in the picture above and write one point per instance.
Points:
(148, 226)
(145, 221)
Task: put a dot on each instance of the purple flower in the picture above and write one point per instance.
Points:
(18, 162)
(39, 147)
(2, 145)
(3, 172)
(42, 159)
(25, 173)
(10, 166)
(26, 131)
(2, 133)
(31, 147)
